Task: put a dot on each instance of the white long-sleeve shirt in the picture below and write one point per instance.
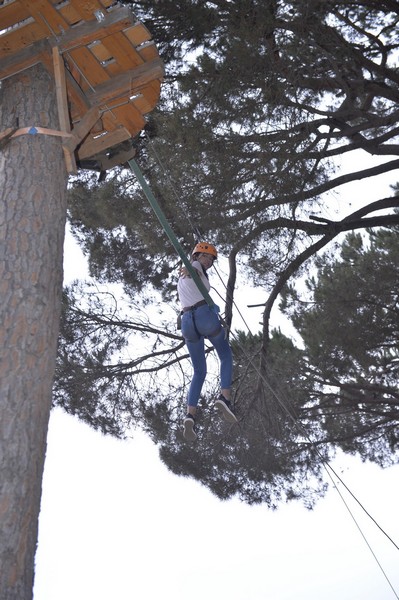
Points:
(187, 289)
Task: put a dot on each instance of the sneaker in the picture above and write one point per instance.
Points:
(225, 409)
(189, 432)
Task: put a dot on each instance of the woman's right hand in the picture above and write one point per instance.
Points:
(184, 272)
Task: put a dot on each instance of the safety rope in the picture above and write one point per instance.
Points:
(328, 468)
(169, 232)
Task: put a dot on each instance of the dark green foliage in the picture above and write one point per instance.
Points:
(100, 376)
(259, 99)
(267, 456)
(120, 235)
(350, 327)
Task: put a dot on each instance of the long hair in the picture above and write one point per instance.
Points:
(194, 257)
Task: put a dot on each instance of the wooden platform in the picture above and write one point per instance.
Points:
(107, 70)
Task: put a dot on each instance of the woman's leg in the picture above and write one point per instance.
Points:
(197, 355)
(223, 349)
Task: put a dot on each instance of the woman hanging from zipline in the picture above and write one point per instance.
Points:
(200, 321)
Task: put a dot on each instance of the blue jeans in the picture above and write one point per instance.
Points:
(196, 325)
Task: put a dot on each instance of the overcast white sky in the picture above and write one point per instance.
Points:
(116, 525)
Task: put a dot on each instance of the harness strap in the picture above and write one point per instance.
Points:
(194, 306)
(9, 133)
(192, 309)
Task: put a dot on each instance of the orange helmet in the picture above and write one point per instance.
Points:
(206, 249)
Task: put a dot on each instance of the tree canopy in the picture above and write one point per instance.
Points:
(349, 326)
(262, 108)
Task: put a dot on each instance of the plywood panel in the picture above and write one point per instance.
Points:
(46, 15)
(88, 32)
(87, 8)
(107, 3)
(126, 83)
(20, 38)
(109, 120)
(13, 13)
(151, 93)
(100, 51)
(148, 51)
(123, 52)
(142, 104)
(70, 14)
(88, 66)
(95, 145)
(137, 34)
(130, 118)
(148, 98)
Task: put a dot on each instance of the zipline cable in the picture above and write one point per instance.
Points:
(327, 466)
(303, 432)
(158, 211)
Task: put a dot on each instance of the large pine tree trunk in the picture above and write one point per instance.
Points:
(32, 222)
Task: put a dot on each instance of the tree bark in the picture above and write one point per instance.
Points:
(32, 224)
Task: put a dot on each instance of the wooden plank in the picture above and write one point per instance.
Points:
(112, 68)
(44, 13)
(116, 159)
(24, 59)
(69, 13)
(107, 3)
(88, 66)
(79, 104)
(86, 33)
(34, 130)
(87, 8)
(92, 146)
(72, 15)
(122, 51)
(83, 128)
(148, 97)
(75, 73)
(62, 104)
(151, 93)
(101, 53)
(142, 104)
(130, 118)
(109, 120)
(137, 34)
(47, 61)
(61, 91)
(148, 51)
(13, 13)
(16, 40)
(126, 83)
